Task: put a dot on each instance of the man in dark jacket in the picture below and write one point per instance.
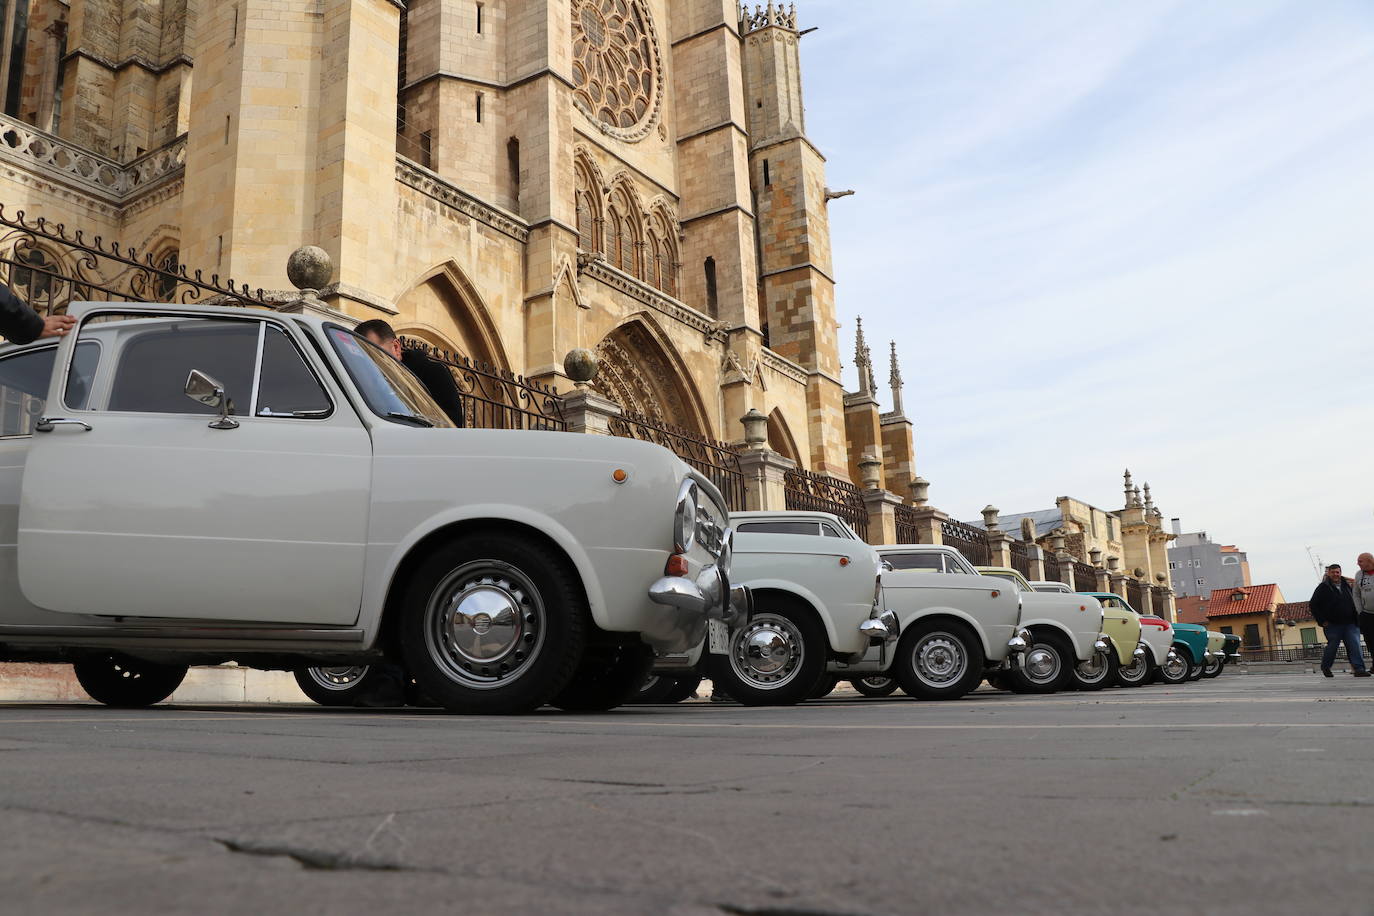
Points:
(20, 324)
(434, 375)
(1333, 607)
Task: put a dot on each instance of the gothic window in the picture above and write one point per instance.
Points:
(622, 233)
(661, 253)
(15, 38)
(617, 77)
(35, 276)
(168, 264)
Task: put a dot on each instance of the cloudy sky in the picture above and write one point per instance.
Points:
(1113, 235)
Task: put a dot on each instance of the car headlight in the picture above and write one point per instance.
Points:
(685, 519)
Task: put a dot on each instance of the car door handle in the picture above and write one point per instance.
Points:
(48, 424)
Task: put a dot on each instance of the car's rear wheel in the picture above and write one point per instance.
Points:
(1047, 667)
(493, 624)
(875, 686)
(1097, 672)
(1137, 673)
(939, 660)
(607, 677)
(825, 686)
(338, 685)
(663, 688)
(776, 659)
(116, 679)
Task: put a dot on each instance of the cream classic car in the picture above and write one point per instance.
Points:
(186, 486)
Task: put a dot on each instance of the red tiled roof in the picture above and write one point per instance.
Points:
(1191, 610)
(1256, 599)
(1296, 611)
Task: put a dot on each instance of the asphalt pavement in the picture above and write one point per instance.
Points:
(1238, 795)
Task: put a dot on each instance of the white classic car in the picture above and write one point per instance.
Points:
(957, 626)
(1070, 648)
(816, 596)
(186, 486)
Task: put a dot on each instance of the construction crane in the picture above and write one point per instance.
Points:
(1315, 560)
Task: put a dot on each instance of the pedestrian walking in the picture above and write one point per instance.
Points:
(434, 375)
(1333, 606)
(21, 324)
(1364, 596)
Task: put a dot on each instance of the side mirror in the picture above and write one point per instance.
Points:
(203, 389)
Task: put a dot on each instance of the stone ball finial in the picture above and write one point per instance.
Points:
(309, 267)
(1138, 572)
(755, 428)
(1160, 577)
(581, 365)
(920, 491)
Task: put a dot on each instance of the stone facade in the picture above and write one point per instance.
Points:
(508, 180)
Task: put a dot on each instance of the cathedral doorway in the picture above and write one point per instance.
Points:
(641, 372)
(444, 310)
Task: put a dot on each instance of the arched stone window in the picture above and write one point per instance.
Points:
(169, 262)
(661, 253)
(622, 233)
(588, 202)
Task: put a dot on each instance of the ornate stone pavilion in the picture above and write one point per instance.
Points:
(508, 180)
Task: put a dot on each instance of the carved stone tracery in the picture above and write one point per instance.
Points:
(617, 70)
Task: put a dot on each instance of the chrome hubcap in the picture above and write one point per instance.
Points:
(1175, 668)
(1135, 671)
(1042, 664)
(939, 659)
(484, 624)
(768, 652)
(1094, 669)
(876, 683)
(340, 677)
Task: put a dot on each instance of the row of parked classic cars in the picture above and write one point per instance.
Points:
(192, 486)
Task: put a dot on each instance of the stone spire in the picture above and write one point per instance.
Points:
(1127, 475)
(1149, 500)
(896, 381)
(863, 359)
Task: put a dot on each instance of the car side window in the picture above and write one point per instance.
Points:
(24, 381)
(811, 528)
(287, 387)
(831, 531)
(929, 562)
(157, 354)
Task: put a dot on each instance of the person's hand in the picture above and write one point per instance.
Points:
(57, 325)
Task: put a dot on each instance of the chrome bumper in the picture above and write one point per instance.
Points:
(882, 629)
(1233, 657)
(1021, 642)
(1102, 644)
(1139, 650)
(710, 596)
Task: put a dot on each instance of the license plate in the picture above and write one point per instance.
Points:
(717, 637)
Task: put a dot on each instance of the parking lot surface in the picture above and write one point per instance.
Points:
(1239, 795)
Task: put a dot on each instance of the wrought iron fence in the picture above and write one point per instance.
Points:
(1305, 653)
(1020, 558)
(970, 541)
(494, 398)
(1053, 573)
(813, 492)
(1084, 577)
(1136, 596)
(50, 267)
(908, 531)
(718, 461)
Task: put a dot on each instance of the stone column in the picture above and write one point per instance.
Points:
(928, 520)
(999, 548)
(765, 471)
(1037, 563)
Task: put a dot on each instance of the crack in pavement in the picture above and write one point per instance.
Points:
(318, 859)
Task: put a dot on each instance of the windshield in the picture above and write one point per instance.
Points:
(391, 390)
(1010, 578)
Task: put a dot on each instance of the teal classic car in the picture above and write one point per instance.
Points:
(1190, 643)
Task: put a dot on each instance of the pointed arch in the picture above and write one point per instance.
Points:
(661, 258)
(642, 371)
(590, 191)
(442, 296)
(624, 226)
(780, 437)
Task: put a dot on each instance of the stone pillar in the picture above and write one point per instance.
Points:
(309, 269)
(999, 548)
(1118, 584)
(588, 412)
(765, 471)
(1037, 563)
(928, 520)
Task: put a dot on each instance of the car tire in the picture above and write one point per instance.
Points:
(339, 685)
(1177, 671)
(1047, 668)
(1137, 674)
(663, 688)
(513, 589)
(825, 686)
(1213, 668)
(1196, 671)
(1096, 673)
(684, 688)
(118, 680)
(607, 677)
(939, 660)
(876, 687)
(797, 647)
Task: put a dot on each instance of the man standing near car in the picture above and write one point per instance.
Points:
(434, 375)
(1333, 606)
(1363, 587)
(21, 324)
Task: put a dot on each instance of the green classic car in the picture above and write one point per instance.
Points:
(1190, 640)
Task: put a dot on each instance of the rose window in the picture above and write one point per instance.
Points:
(616, 70)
